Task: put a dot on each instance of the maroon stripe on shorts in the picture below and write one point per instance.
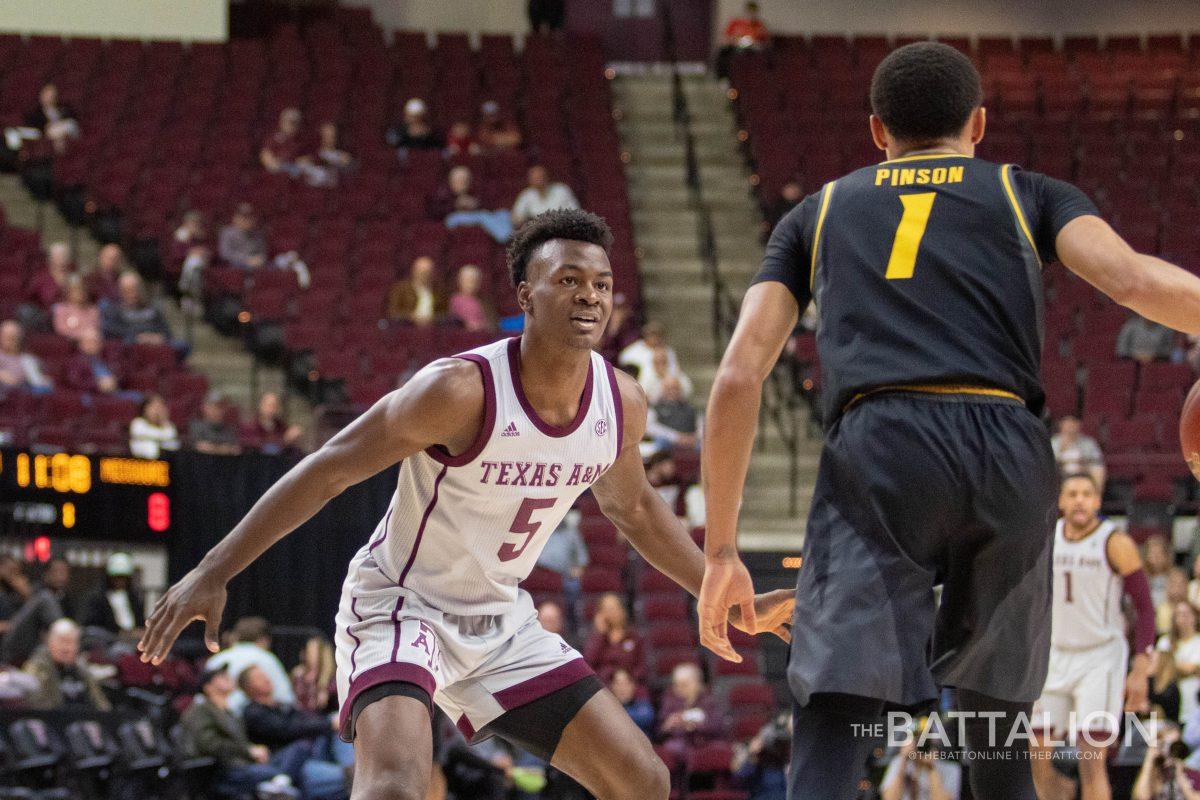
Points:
(350, 633)
(385, 673)
(396, 626)
(464, 725)
(383, 533)
(541, 685)
(421, 530)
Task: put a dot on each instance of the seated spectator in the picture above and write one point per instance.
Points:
(415, 132)
(243, 769)
(494, 131)
(1145, 341)
(789, 197)
(118, 606)
(252, 647)
(1178, 590)
(466, 305)
(269, 431)
(15, 590)
(330, 161)
(638, 358)
(103, 282)
(550, 616)
(613, 643)
(541, 195)
(313, 679)
(63, 674)
(18, 369)
(242, 243)
(460, 141)
(325, 758)
(50, 285)
(151, 431)
(746, 32)
(417, 298)
(621, 330)
(628, 694)
(920, 775)
(1183, 643)
(1164, 685)
(56, 120)
(1076, 452)
(191, 252)
(1166, 773)
(211, 432)
(284, 149)
(688, 714)
(75, 315)
(457, 204)
(49, 602)
(87, 371)
(135, 318)
(672, 421)
(1158, 561)
(662, 369)
(566, 553)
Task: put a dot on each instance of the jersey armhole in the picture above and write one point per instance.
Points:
(439, 453)
(1018, 211)
(618, 406)
(1108, 559)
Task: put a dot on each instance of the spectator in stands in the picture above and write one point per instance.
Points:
(660, 472)
(761, 766)
(789, 197)
(638, 358)
(566, 553)
(242, 243)
(313, 678)
(325, 760)
(269, 431)
(541, 195)
(118, 606)
(152, 431)
(466, 304)
(15, 590)
(662, 368)
(75, 315)
(50, 285)
(103, 281)
(416, 299)
(613, 643)
(550, 616)
(88, 371)
(135, 318)
(1164, 774)
(330, 161)
(1183, 643)
(496, 132)
(284, 151)
(746, 32)
(920, 775)
(547, 16)
(48, 603)
(688, 714)
(1145, 341)
(1077, 452)
(1178, 590)
(457, 204)
(252, 647)
(56, 120)
(1164, 684)
(211, 432)
(460, 141)
(629, 695)
(1158, 561)
(672, 421)
(18, 369)
(191, 253)
(219, 734)
(64, 675)
(621, 330)
(415, 132)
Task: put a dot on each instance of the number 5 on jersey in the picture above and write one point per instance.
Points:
(523, 523)
(909, 234)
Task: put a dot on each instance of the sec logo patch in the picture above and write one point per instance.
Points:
(601, 427)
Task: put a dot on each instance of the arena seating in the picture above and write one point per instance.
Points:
(1119, 118)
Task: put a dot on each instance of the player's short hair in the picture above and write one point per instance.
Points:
(573, 223)
(925, 91)
(1082, 476)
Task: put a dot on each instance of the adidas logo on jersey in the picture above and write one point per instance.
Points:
(511, 430)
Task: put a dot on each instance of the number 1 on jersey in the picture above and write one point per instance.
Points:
(909, 234)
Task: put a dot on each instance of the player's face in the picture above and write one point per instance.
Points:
(1079, 502)
(567, 293)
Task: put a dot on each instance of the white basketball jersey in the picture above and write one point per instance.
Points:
(1087, 591)
(462, 531)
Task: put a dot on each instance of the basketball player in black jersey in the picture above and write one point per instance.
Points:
(926, 271)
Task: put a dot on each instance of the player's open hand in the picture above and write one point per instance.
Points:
(727, 585)
(774, 613)
(196, 596)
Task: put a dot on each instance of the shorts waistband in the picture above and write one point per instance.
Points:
(966, 391)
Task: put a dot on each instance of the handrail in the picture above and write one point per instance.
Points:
(780, 399)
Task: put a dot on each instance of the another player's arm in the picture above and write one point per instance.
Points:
(440, 405)
(1155, 289)
(1123, 556)
(639, 512)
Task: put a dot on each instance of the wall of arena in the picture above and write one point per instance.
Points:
(192, 20)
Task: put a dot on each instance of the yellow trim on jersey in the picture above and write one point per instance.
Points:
(936, 388)
(825, 195)
(924, 157)
(1012, 198)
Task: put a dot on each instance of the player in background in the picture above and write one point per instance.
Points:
(1095, 565)
(494, 445)
(936, 468)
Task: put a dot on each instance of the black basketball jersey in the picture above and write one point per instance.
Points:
(926, 270)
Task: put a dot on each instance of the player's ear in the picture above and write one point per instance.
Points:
(523, 299)
(978, 124)
(879, 133)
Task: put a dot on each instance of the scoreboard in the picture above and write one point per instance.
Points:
(85, 496)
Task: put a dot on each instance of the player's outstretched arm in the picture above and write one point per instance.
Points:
(639, 512)
(442, 404)
(1155, 289)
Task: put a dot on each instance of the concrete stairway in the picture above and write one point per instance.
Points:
(676, 290)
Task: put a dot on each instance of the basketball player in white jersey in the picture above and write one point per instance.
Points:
(494, 446)
(1095, 564)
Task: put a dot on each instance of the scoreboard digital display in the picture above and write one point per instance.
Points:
(85, 496)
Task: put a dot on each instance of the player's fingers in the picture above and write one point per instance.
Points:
(718, 638)
(177, 624)
(154, 644)
(749, 616)
(212, 624)
(783, 632)
(150, 635)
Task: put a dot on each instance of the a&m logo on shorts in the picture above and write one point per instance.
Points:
(601, 427)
